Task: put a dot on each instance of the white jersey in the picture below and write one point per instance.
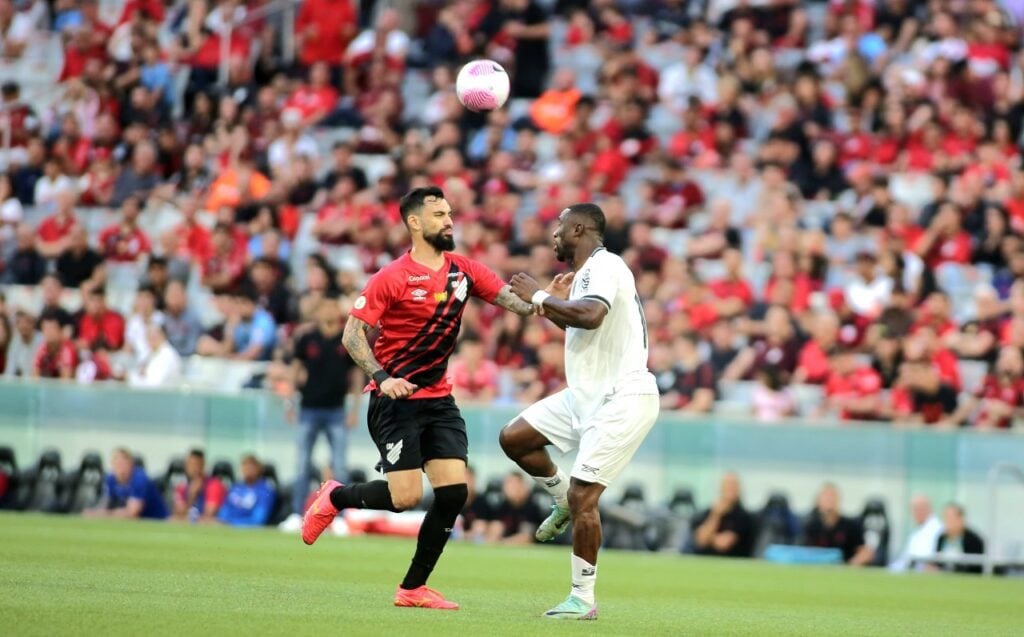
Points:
(611, 359)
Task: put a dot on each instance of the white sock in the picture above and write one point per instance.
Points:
(557, 485)
(584, 576)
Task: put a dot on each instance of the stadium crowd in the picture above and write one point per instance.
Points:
(818, 199)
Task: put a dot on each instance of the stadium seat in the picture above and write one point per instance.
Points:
(171, 480)
(875, 523)
(9, 479)
(776, 524)
(84, 487)
(625, 522)
(972, 374)
(681, 510)
(45, 483)
(282, 501)
(223, 471)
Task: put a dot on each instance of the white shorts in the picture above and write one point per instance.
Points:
(606, 440)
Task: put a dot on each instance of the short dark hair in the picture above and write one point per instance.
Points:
(157, 262)
(51, 314)
(591, 211)
(415, 198)
(196, 452)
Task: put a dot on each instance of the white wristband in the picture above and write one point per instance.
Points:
(539, 297)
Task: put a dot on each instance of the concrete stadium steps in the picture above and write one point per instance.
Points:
(219, 374)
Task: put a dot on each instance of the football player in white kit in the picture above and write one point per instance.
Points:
(611, 401)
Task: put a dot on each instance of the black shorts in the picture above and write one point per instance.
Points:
(408, 433)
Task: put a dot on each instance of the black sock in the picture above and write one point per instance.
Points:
(434, 533)
(367, 495)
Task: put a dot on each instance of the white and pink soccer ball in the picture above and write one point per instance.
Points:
(482, 85)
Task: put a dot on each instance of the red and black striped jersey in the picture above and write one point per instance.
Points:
(419, 312)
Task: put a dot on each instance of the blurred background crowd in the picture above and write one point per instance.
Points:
(822, 201)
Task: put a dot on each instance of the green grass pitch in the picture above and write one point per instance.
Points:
(69, 576)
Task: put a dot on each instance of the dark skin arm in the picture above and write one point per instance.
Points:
(586, 314)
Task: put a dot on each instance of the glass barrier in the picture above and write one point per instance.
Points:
(864, 460)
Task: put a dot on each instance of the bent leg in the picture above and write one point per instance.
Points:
(525, 446)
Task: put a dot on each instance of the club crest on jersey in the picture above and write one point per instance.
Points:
(440, 297)
(585, 281)
(419, 294)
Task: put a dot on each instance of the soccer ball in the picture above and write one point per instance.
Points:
(482, 85)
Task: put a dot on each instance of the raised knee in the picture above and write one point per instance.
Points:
(405, 501)
(507, 440)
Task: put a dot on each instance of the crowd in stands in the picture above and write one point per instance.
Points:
(505, 510)
(818, 199)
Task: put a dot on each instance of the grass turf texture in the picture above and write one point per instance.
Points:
(64, 576)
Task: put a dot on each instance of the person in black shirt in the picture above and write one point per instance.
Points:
(525, 22)
(518, 516)
(80, 264)
(957, 540)
(324, 375)
(477, 513)
(27, 266)
(725, 529)
(52, 291)
(827, 528)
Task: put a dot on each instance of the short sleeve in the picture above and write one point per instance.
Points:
(375, 299)
(599, 280)
(486, 284)
(139, 487)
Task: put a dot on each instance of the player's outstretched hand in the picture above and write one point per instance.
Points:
(559, 287)
(524, 286)
(397, 388)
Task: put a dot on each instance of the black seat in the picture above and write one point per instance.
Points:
(682, 503)
(494, 493)
(173, 478)
(223, 471)
(282, 501)
(776, 524)
(46, 483)
(9, 479)
(875, 524)
(681, 509)
(139, 462)
(85, 486)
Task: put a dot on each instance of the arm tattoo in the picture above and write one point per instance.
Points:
(507, 299)
(358, 346)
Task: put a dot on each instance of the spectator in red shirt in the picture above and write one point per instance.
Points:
(55, 231)
(945, 240)
(472, 375)
(56, 357)
(98, 324)
(323, 30)
(223, 270)
(853, 390)
(201, 496)
(315, 100)
(125, 242)
(733, 291)
(196, 239)
(1000, 396)
(813, 365)
(919, 394)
